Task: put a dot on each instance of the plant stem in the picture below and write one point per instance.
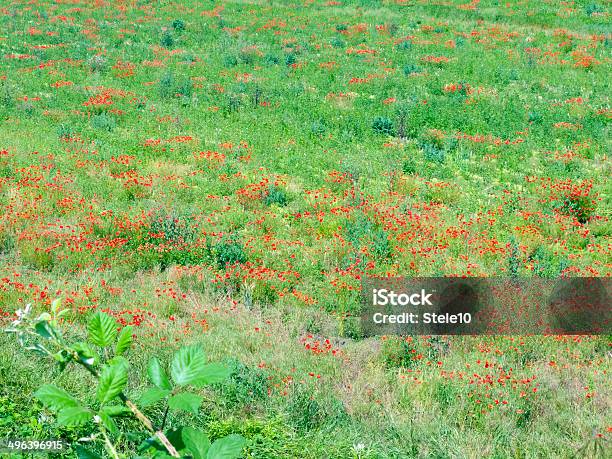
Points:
(109, 445)
(165, 417)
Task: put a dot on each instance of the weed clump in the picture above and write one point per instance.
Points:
(97, 63)
(178, 25)
(166, 84)
(304, 411)
(580, 207)
(433, 153)
(411, 69)
(290, 59)
(65, 131)
(275, 195)
(167, 40)
(173, 228)
(103, 122)
(383, 125)
(229, 253)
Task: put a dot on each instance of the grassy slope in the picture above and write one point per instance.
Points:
(61, 197)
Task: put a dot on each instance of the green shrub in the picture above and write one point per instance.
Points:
(7, 242)
(229, 253)
(65, 131)
(593, 8)
(358, 228)
(514, 260)
(167, 40)
(275, 195)
(264, 294)
(409, 166)
(400, 352)
(174, 227)
(381, 247)
(337, 42)
(432, 152)
(230, 60)
(233, 103)
(405, 46)
(383, 125)
(166, 85)
(103, 122)
(290, 59)
(580, 207)
(535, 117)
(185, 88)
(318, 128)
(178, 25)
(271, 59)
(409, 69)
(246, 385)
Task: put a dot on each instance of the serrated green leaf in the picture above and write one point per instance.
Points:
(212, 373)
(186, 402)
(113, 379)
(84, 453)
(196, 442)
(119, 360)
(152, 396)
(229, 447)
(55, 398)
(108, 422)
(124, 341)
(157, 375)
(102, 329)
(73, 416)
(188, 365)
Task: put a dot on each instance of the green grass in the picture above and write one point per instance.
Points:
(228, 178)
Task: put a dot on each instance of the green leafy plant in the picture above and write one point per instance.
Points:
(103, 356)
(167, 41)
(275, 195)
(103, 122)
(229, 253)
(382, 125)
(580, 207)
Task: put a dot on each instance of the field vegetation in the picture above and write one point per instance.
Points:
(222, 175)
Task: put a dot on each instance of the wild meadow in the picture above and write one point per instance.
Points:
(207, 184)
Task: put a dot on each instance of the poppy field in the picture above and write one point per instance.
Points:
(222, 176)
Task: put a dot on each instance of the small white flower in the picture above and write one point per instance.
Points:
(359, 447)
